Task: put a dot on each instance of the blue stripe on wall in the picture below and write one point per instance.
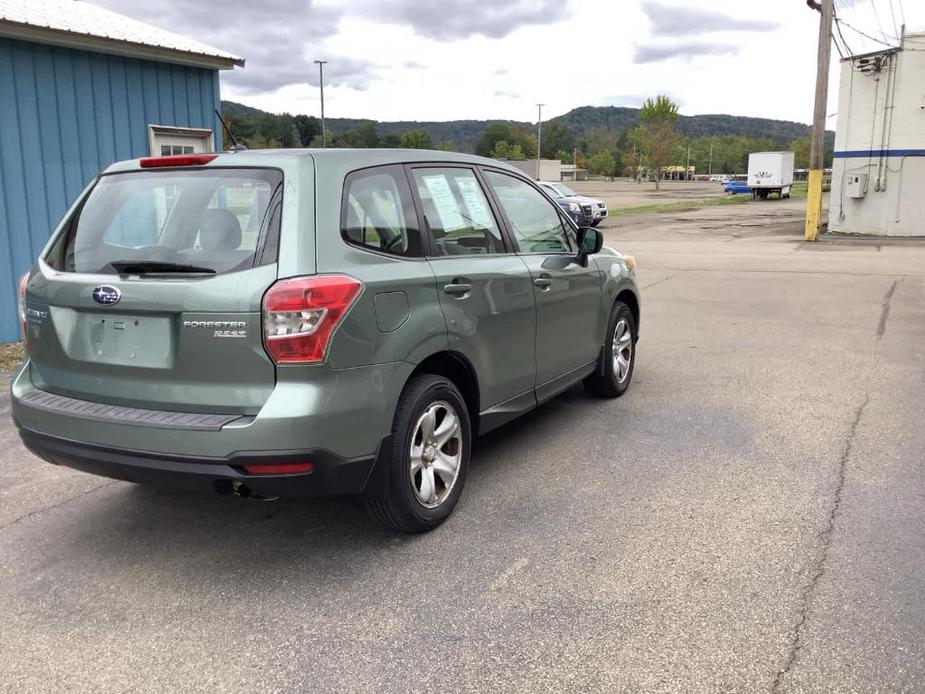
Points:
(867, 153)
(64, 116)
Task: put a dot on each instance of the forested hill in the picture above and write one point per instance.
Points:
(616, 119)
(621, 118)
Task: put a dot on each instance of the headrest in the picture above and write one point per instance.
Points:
(219, 230)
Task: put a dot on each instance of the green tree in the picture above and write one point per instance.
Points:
(363, 135)
(556, 138)
(565, 156)
(418, 138)
(800, 149)
(446, 146)
(657, 118)
(526, 140)
(391, 140)
(493, 133)
(501, 150)
(307, 127)
(632, 158)
(517, 152)
(241, 127)
(602, 163)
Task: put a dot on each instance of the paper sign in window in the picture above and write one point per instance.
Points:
(445, 202)
(475, 203)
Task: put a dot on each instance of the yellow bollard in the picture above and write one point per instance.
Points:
(813, 205)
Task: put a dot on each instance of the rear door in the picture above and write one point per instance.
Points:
(108, 324)
(485, 289)
(568, 296)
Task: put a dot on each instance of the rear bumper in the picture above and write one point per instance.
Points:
(332, 475)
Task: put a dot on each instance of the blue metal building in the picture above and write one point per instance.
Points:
(80, 88)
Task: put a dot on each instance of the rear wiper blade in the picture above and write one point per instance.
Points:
(147, 267)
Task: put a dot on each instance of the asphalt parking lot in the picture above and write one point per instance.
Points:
(750, 517)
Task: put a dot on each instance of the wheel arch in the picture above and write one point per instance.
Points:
(628, 297)
(458, 370)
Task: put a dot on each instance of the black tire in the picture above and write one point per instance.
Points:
(395, 503)
(596, 221)
(605, 381)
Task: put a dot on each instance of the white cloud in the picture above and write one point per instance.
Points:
(391, 61)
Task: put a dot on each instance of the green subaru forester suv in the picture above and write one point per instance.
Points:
(296, 323)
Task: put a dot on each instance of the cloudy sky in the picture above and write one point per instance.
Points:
(454, 59)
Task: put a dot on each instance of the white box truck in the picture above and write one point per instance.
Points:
(770, 172)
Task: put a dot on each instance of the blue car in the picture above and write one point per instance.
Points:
(735, 187)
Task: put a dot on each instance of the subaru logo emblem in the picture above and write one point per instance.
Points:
(107, 295)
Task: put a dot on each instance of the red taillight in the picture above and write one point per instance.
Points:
(176, 160)
(23, 281)
(280, 469)
(300, 315)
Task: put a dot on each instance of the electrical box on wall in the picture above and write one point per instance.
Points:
(857, 185)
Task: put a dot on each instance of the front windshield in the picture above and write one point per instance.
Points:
(564, 190)
(551, 190)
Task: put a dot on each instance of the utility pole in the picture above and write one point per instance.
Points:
(817, 147)
(539, 137)
(687, 171)
(710, 170)
(324, 136)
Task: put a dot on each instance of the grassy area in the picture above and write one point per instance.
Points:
(10, 356)
(799, 189)
(681, 205)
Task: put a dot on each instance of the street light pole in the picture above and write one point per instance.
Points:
(321, 64)
(710, 172)
(539, 137)
(687, 171)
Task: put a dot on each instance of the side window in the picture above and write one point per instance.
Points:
(377, 212)
(534, 220)
(457, 212)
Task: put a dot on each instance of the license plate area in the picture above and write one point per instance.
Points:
(122, 339)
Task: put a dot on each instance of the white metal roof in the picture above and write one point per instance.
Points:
(78, 24)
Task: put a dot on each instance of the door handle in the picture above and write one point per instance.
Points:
(543, 283)
(457, 288)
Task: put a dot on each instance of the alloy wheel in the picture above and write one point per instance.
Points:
(622, 350)
(435, 454)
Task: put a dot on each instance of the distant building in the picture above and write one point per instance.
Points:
(678, 172)
(570, 172)
(80, 88)
(878, 171)
(550, 169)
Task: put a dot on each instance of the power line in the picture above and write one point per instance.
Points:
(893, 16)
(841, 36)
(864, 34)
(879, 23)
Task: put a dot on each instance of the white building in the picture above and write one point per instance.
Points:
(550, 169)
(878, 173)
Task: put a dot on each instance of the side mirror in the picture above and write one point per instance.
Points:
(590, 241)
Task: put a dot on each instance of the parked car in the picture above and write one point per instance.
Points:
(593, 210)
(578, 214)
(735, 187)
(301, 322)
(719, 178)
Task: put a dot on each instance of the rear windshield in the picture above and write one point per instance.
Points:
(218, 220)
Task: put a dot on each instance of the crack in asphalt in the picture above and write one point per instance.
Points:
(664, 279)
(57, 505)
(885, 310)
(825, 536)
